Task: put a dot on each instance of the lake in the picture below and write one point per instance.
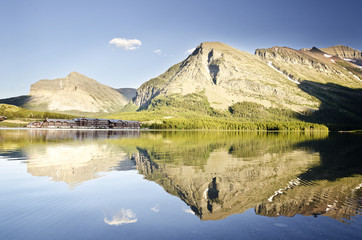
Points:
(74, 184)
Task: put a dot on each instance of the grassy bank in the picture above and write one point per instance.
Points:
(20, 117)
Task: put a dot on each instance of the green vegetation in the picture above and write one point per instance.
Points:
(23, 116)
(193, 148)
(193, 111)
(216, 124)
(249, 110)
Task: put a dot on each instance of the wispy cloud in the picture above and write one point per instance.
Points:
(122, 217)
(188, 210)
(190, 51)
(156, 208)
(126, 44)
(158, 51)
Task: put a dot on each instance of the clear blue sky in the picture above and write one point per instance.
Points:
(49, 39)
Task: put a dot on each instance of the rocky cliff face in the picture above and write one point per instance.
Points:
(75, 92)
(227, 75)
(312, 65)
(346, 53)
(334, 81)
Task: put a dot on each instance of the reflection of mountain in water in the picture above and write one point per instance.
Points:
(68, 156)
(232, 179)
(332, 188)
(216, 173)
(76, 162)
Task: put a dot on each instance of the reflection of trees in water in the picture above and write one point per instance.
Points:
(340, 156)
(240, 173)
(216, 173)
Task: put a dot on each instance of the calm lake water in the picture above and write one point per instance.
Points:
(61, 184)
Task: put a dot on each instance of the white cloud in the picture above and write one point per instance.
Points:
(123, 217)
(126, 44)
(156, 208)
(158, 51)
(190, 51)
(188, 210)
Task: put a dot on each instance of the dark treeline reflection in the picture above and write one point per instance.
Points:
(216, 173)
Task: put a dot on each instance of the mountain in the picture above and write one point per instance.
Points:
(74, 93)
(346, 53)
(312, 65)
(335, 82)
(226, 76)
(311, 84)
(129, 93)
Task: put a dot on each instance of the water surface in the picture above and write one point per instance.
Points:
(72, 184)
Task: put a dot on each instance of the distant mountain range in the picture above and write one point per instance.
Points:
(320, 84)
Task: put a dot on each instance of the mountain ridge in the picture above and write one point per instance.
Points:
(76, 93)
(225, 75)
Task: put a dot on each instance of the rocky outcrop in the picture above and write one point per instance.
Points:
(346, 53)
(74, 93)
(312, 65)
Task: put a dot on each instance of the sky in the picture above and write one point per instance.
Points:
(126, 43)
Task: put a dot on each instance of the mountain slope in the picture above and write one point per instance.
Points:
(226, 76)
(346, 53)
(313, 65)
(335, 82)
(74, 93)
(128, 93)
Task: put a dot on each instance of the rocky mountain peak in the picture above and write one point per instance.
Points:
(74, 93)
(316, 50)
(345, 52)
(225, 75)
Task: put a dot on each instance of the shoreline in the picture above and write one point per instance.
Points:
(166, 130)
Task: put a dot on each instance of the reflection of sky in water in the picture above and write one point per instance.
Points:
(178, 181)
(124, 216)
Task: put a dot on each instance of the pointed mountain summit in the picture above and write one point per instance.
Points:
(226, 75)
(74, 93)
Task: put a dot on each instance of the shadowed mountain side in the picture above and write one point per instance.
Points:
(340, 106)
(340, 156)
(128, 93)
(19, 101)
(332, 188)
